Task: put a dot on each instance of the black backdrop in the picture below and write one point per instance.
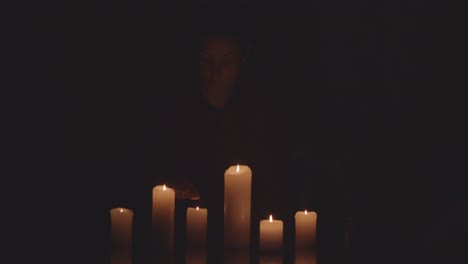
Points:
(368, 83)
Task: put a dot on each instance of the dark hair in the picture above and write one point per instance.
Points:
(225, 20)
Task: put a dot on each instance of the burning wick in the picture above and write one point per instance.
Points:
(164, 187)
(198, 208)
(271, 218)
(237, 169)
(121, 210)
(305, 211)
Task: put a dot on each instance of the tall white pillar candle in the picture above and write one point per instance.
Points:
(271, 235)
(163, 218)
(196, 228)
(237, 206)
(121, 227)
(306, 223)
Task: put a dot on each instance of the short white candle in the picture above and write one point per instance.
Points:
(121, 235)
(196, 228)
(306, 223)
(163, 218)
(271, 235)
(121, 227)
(237, 206)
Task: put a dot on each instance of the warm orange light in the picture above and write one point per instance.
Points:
(237, 169)
(198, 208)
(271, 218)
(121, 210)
(164, 187)
(305, 211)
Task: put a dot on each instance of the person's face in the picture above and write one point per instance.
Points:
(220, 61)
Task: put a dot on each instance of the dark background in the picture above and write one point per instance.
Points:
(371, 87)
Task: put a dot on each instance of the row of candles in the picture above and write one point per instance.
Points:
(237, 211)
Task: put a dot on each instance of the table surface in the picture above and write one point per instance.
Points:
(237, 257)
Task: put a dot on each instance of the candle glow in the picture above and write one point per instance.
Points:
(163, 218)
(271, 235)
(305, 229)
(196, 228)
(237, 206)
(121, 235)
(121, 227)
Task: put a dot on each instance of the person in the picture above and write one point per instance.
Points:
(224, 117)
(196, 128)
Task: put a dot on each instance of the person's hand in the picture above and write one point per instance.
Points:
(185, 190)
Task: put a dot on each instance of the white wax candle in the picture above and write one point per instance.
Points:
(306, 229)
(163, 218)
(237, 206)
(271, 235)
(121, 227)
(196, 228)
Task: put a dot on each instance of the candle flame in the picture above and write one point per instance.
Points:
(271, 218)
(198, 208)
(121, 210)
(305, 211)
(237, 169)
(164, 187)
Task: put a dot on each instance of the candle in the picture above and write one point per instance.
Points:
(121, 227)
(196, 228)
(306, 229)
(121, 235)
(237, 206)
(163, 218)
(271, 235)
